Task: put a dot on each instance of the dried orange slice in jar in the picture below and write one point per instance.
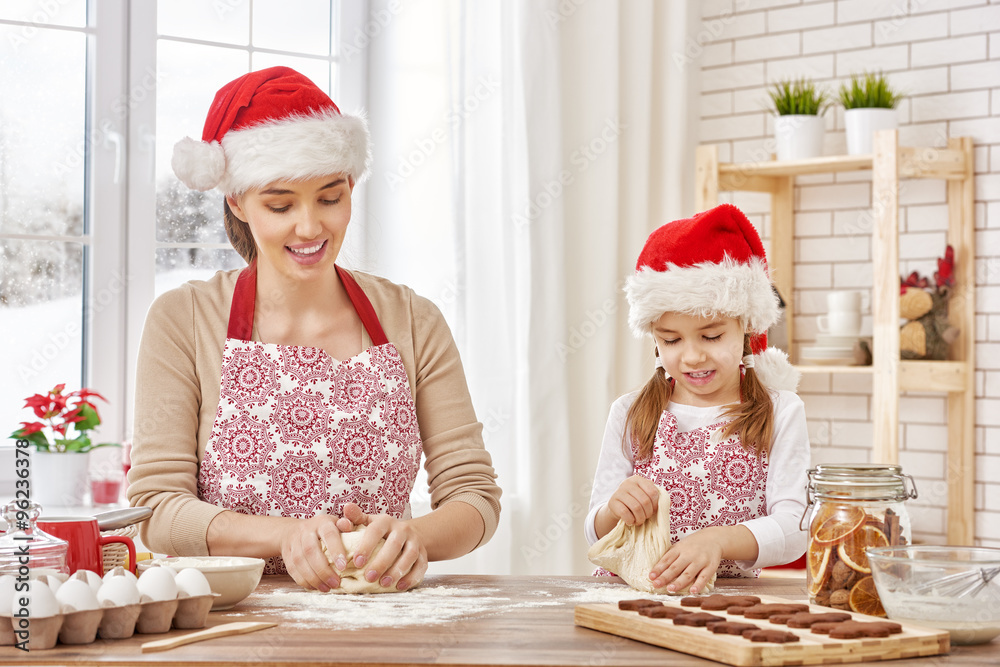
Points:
(838, 526)
(818, 561)
(853, 551)
(823, 512)
(864, 598)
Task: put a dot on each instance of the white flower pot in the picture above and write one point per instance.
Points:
(798, 137)
(861, 123)
(58, 479)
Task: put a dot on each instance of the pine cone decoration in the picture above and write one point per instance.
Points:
(914, 303)
(912, 341)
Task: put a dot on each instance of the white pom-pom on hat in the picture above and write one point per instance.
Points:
(200, 165)
(775, 371)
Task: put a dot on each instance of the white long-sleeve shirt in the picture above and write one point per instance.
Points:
(778, 536)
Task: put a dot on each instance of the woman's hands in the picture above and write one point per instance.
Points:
(451, 530)
(403, 558)
(301, 545)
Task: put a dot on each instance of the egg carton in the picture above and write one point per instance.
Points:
(115, 618)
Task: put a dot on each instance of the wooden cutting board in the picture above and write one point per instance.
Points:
(811, 649)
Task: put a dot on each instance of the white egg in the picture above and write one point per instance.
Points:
(158, 583)
(90, 577)
(78, 594)
(193, 582)
(51, 581)
(120, 571)
(7, 587)
(119, 591)
(42, 602)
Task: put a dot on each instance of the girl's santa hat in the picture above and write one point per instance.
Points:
(711, 264)
(270, 125)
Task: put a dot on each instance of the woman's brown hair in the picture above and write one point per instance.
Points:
(239, 234)
(752, 418)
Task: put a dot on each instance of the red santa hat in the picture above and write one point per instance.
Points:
(274, 124)
(711, 264)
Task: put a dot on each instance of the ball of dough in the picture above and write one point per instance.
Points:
(632, 551)
(352, 579)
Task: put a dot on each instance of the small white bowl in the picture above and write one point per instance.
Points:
(232, 577)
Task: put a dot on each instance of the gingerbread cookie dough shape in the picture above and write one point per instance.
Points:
(632, 551)
(352, 579)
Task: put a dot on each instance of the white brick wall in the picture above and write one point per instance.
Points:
(945, 56)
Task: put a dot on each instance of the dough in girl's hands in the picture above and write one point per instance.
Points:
(352, 579)
(632, 551)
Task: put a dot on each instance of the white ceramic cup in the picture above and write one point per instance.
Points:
(840, 323)
(843, 302)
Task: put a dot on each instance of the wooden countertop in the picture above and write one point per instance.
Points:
(531, 624)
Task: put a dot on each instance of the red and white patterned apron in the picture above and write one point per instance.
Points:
(711, 482)
(297, 434)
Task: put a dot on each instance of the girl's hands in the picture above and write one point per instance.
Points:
(403, 558)
(302, 550)
(690, 562)
(634, 501)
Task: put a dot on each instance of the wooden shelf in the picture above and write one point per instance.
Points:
(889, 162)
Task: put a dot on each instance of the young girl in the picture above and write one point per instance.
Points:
(718, 426)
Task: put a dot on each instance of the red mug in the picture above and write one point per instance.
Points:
(85, 541)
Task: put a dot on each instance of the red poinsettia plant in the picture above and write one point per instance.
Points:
(62, 412)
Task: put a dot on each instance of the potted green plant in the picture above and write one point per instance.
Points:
(798, 124)
(869, 106)
(61, 441)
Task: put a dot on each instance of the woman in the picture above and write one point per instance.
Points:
(283, 404)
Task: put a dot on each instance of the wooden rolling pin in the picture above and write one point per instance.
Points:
(224, 630)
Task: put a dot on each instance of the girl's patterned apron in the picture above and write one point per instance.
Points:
(297, 434)
(711, 482)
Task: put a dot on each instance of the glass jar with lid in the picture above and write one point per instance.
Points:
(852, 507)
(26, 545)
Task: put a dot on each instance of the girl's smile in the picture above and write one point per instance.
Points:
(703, 355)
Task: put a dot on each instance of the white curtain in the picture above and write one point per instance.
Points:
(523, 152)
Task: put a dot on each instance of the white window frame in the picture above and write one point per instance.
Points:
(103, 293)
(106, 281)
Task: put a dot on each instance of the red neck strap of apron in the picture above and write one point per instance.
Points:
(245, 294)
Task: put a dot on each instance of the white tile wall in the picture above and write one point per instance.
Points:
(801, 17)
(768, 47)
(847, 36)
(910, 29)
(973, 21)
(945, 56)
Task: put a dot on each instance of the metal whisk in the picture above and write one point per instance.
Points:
(961, 584)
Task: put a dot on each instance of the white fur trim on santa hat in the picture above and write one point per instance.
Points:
(200, 165)
(296, 148)
(730, 288)
(774, 371)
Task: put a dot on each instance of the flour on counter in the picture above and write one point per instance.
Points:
(430, 605)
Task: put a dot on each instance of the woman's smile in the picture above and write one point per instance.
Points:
(307, 253)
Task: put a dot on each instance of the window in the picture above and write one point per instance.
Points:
(45, 221)
(93, 223)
